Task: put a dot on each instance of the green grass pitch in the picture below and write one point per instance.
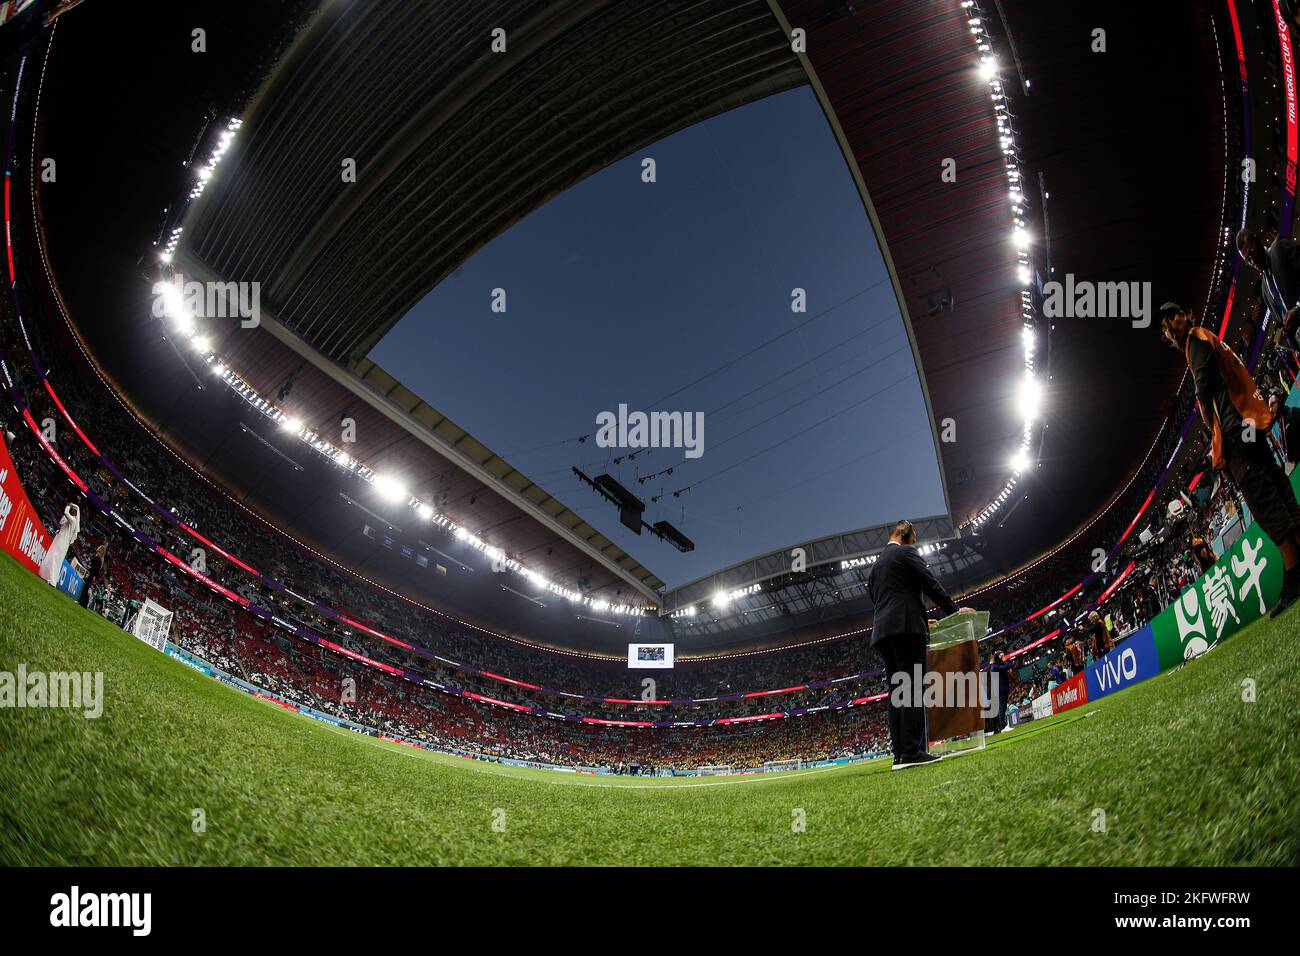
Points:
(1185, 770)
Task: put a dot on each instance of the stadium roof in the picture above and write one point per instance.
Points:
(588, 83)
(466, 141)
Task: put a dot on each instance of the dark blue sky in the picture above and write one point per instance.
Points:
(620, 291)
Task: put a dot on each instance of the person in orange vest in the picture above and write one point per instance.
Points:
(1202, 552)
(1074, 647)
(1238, 418)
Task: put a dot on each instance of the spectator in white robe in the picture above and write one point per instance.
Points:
(69, 527)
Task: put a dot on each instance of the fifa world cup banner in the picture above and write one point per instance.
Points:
(21, 532)
(1239, 589)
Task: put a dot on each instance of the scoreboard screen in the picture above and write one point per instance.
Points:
(649, 655)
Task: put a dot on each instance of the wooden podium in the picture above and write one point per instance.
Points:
(957, 725)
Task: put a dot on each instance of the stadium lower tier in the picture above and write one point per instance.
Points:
(258, 650)
(257, 663)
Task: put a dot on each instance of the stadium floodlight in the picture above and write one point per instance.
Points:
(171, 297)
(1023, 275)
(389, 488)
(202, 343)
(1027, 336)
(1020, 461)
(989, 67)
(1031, 397)
(292, 425)
(424, 511)
(1021, 237)
(721, 599)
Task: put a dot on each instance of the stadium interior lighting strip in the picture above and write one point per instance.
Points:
(205, 173)
(1226, 253)
(1031, 388)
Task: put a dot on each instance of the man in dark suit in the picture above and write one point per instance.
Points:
(1000, 667)
(900, 633)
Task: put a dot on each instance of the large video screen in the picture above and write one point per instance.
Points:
(649, 655)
